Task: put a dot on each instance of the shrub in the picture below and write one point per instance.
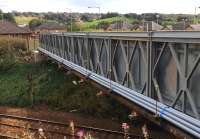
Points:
(7, 58)
(9, 48)
(19, 44)
(104, 25)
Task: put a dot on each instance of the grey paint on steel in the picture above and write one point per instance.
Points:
(144, 67)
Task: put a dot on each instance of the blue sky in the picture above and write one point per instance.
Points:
(121, 6)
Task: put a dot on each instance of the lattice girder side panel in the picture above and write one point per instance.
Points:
(49, 45)
(175, 66)
(98, 53)
(65, 48)
(129, 59)
(76, 51)
(55, 48)
(104, 58)
(92, 54)
(80, 51)
(172, 65)
(44, 41)
(193, 77)
(62, 46)
(72, 42)
(85, 53)
(102, 52)
(69, 48)
(138, 65)
(55, 45)
(118, 61)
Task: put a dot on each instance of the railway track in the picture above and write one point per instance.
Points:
(18, 126)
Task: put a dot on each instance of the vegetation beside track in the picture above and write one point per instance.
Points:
(54, 88)
(29, 84)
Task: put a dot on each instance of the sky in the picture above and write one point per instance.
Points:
(120, 6)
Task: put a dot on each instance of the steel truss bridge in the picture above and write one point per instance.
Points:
(159, 71)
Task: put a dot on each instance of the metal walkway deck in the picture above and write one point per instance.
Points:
(159, 71)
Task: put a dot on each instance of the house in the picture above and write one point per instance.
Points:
(167, 28)
(50, 27)
(9, 29)
(137, 27)
(120, 26)
(193, 27)
(151, 26)
(180, 26)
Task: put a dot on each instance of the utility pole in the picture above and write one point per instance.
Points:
(144, 21)
(71, 19)
(157, 17)
(184, 22)
(195, 15)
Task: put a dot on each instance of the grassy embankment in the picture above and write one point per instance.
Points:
(52, 87)
(90, 26)
(24, 20)
(85, 26)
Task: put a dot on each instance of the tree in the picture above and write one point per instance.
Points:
(182, 18)
(104, 25)
(1, 14)
(7, 57)
(76, 26)
(9, 17)
(85, 17)
(109, 15)
(132, 15)
(34, 23)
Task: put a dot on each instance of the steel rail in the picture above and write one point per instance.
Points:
(65, 124)
(154, 34)
(165, 36)
(181, 120)
(36, 129)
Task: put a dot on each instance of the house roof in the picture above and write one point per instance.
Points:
(180, 26)
(168, 27)
(137, 26)
(195, 26)
(8, 28)
(151, 26)
(50, 26)
(121, 25)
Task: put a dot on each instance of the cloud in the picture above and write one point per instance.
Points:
(86, 3)
(121, 6)
(35, 5)
(3, 3)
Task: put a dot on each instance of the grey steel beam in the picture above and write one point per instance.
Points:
(163, 36)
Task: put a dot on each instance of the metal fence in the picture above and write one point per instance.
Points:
(159, 71)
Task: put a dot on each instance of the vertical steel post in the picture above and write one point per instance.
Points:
(185, 76)
(72, 49)
(151, 62)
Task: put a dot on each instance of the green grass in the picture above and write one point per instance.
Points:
(55, 89)
(92, 24)
(24, 20)
(14, 83)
